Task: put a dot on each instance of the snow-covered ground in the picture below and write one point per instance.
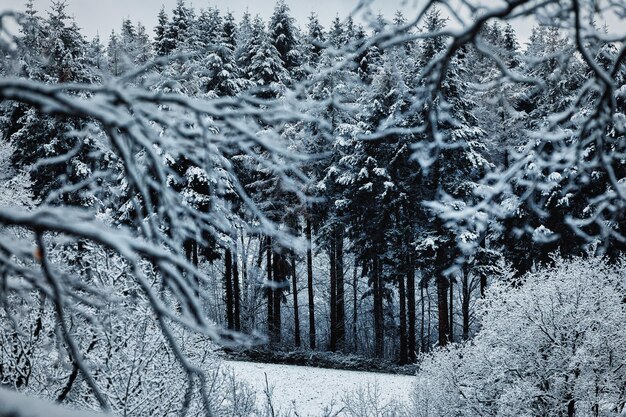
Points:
(309, 390)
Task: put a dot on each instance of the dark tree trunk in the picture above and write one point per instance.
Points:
(465, 304)
(270, 288)
(410, 290)
(191, 252)
(296, 314)
(451, 314)
(442, 309)
(245, 286)
(340, 310)
(403, 359)
(355, 305)
(422, 318)
(427, 342)
(309, 270)
(280, 274)
(228, 284)
(483, 276)
(332, 346)
(236, 290)
(483, 284)
(379, 335)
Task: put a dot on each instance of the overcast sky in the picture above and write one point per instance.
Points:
(101, 16)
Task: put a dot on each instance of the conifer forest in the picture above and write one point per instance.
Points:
(436, 194)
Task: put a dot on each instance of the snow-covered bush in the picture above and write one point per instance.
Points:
(367, 401)
(553, 346)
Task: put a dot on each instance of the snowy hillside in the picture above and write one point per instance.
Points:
(308, 391)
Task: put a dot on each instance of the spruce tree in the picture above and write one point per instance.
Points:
(260, 62)
(162, 42)
(283, 35)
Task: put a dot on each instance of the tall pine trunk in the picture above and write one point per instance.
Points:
(422, 318)
(451, 314)
(465, 304)
(340, 310)
(403, 359)
(410, 290)
(228, 284)
(355, 306)
(442, 309)
(236, 289)
(191, 251)
(296, 313)
(427, 344)
(309, 271)
(270, 288)
(280, 272)
(379, 334)
(332, 346)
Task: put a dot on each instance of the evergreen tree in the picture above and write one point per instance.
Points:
(179, 29)
(114, 55)
(283, 35)
(336, 36)
(163, 45)
(229, 32)
(313, 44)
(260, 62)
(36, 137)
(142, 47)
(95, 56)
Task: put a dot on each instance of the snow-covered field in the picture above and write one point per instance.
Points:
(309, 390)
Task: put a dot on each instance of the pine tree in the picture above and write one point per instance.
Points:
(163, 45)
(313, 42)
(209, 28)
(114, 55)
(229, 32)
(336, 35)
(142, 47)
(36, 137)
(260, 62)
(283, 35)
(179, 29)
(95, 57)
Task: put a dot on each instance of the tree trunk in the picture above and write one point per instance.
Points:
(236, 289)
(422, 319)
(191, 252)
(228, 284)
(410, 289)
(355, 284)
(296, 314)
(403, 333)
(451, 315)
(465, 305)
(270, 289)
(483, 284)
(340, 309)
(309, 270)
(332, 346)
(379, 335)
(428, 326)
(442, 309)
(245, 284)
(483, 276)
(280, 273)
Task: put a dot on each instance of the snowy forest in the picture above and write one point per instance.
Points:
(427, 194)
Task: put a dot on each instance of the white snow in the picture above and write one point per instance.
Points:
(13, 404)
(308, 390)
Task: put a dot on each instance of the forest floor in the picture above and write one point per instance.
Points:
(307, 391)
